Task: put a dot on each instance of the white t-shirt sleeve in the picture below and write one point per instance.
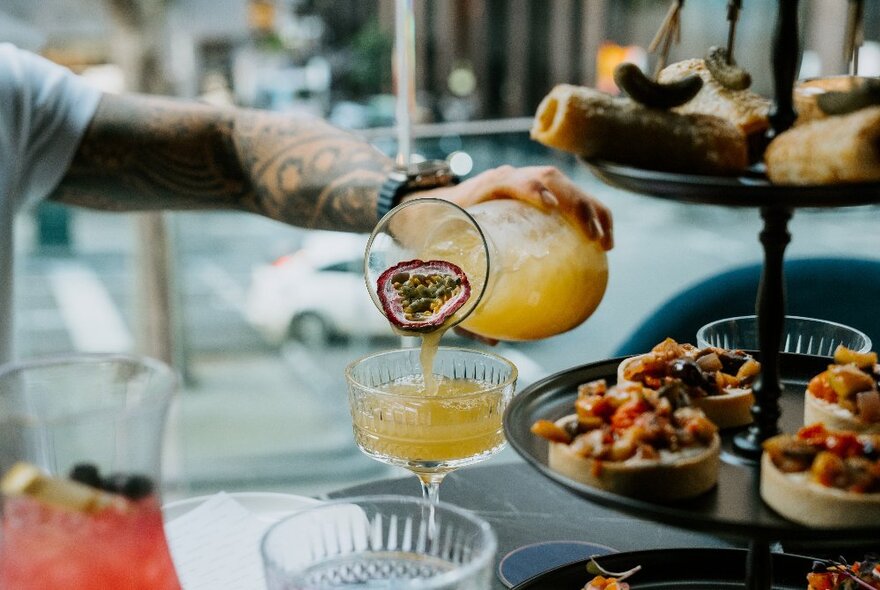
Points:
(44, 111)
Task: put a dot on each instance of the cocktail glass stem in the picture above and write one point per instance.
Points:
(431, 486)
(430, 483)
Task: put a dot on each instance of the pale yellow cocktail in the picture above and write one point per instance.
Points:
(460, 423)
(397, 421)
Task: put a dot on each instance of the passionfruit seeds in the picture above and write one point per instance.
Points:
(421, 295)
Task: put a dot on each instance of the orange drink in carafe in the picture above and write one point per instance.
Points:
(546, 276)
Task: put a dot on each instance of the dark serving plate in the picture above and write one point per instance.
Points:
(749, 190)
(674, 569)
(734, 507)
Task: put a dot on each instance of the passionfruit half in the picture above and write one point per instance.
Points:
(420, 295)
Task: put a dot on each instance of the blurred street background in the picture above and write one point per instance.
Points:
(263, 402)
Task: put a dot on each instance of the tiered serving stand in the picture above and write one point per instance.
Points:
(734, 508)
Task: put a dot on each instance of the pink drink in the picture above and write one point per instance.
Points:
(119, 547)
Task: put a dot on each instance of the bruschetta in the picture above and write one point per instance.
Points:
(846, 396)
(860, 575)
(634, 441)
(715, 380)
(823, 478)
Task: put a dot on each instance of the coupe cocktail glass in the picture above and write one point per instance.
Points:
(395, 421)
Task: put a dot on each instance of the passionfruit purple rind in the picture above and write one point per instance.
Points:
(420, 296)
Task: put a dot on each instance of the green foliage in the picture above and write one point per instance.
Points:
(369, 67)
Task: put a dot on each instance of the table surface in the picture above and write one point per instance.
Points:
(524, 508)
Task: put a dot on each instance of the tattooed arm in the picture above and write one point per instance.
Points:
(144, 153)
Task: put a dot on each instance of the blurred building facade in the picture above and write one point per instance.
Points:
(253, 411)
(476, 58)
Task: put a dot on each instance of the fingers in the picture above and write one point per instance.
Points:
(607, 222)
(545, 187)
(548, 198)
(586, 215)
(593, 216)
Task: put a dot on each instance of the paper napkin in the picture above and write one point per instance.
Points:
(216, 546)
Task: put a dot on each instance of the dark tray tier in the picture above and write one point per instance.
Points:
(733, 507)
(750, 190)
(674, 569)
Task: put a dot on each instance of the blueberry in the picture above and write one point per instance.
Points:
(87, 474)
(133, 487)
(137, 487)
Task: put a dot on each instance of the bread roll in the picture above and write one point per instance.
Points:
(595, 125)
(806, 93)
(839, 149)
(743, 108)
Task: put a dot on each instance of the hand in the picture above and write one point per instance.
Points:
(542, 186)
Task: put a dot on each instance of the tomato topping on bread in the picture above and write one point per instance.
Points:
(840, 576)
(822, 477)
(603, 583)
(847, 394)
(634, 441)
(716, 380)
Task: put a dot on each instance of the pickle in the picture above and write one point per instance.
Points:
(727, 74)
(653, 94)
(840, 103)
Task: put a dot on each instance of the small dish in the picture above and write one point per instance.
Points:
(528, 561)
(674, 569)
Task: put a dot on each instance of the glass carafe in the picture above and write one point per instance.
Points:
(533, 273)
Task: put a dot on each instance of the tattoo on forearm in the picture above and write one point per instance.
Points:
(307, 172)
(149, 153)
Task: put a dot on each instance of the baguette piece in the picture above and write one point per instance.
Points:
(743, 108)
(595, 125)
(834, 150)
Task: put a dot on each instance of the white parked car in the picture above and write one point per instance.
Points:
(315, 293)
